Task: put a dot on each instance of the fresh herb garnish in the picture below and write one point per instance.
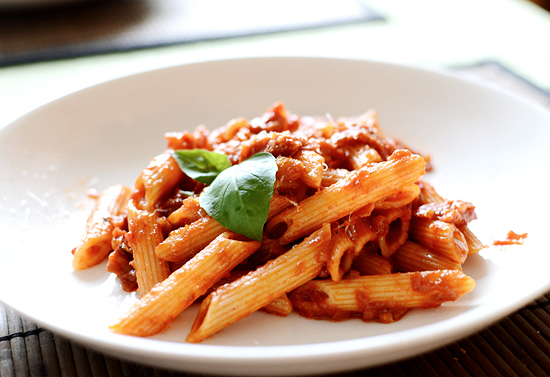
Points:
(200, 164)
(239, 197)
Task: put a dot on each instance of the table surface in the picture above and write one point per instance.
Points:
(424, 33)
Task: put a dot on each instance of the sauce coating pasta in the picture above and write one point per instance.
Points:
(352, 229)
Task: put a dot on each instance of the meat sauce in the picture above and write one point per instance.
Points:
(512, 238)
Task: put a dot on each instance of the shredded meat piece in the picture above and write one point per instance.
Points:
(188, 140)
(512, 238)
(455, 212)
(278, 144)
(361, 134)
(274, 120)
(120, 261)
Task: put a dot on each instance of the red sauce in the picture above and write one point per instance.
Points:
(512, 238)
(436, 288)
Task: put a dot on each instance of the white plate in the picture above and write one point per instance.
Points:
(487, 147)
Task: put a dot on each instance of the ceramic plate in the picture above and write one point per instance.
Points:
(487, 147)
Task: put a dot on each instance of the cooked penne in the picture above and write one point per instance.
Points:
(352, 230)
(366, 185)
(156, 310)
(400, 199)
(342, 254)
(184, 242)
(372, 297)
(415, 257)
(239, 299)
(429, 195)
(281, 306)
(96, 242)
(398, 221)
(158, 179)
(441, 237)
(144, 235)
(474, 244)
(189, 212)
(371, 263)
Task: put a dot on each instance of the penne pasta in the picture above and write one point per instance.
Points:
(361, 232)
(371, 263)
(144, 235)
(398, 221)
(342, 254)
(441, 237)
(96, 242)
(366, 185)
(189, 212)
(157, 309)
(184, 242)
(158, 179)
(352, 229)
(414, 257)
(281, 306)
(474, 244)
(371, 298)
(239, 299)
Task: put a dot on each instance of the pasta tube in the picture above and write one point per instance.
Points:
(239, 299)
(158, 179)
(144, 235)
(371, 297)
(414, 257)
(366, 185)
(183, 243)
(441, 237)
(96, 242)
(155, 310)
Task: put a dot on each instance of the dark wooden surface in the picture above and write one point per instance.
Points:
(103, 26)
(518, 345)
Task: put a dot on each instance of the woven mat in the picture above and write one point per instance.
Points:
(518, 345)
(96, 26)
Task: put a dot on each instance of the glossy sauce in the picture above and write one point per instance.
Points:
(512, 238)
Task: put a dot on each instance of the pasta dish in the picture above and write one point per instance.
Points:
(323, 216)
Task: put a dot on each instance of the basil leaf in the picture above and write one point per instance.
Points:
(200, 164)
(239, 197)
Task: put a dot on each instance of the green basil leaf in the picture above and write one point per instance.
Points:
(239, 197)
(200, 164)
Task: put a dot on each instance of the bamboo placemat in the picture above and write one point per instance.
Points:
(518, 345)
(98, 26)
